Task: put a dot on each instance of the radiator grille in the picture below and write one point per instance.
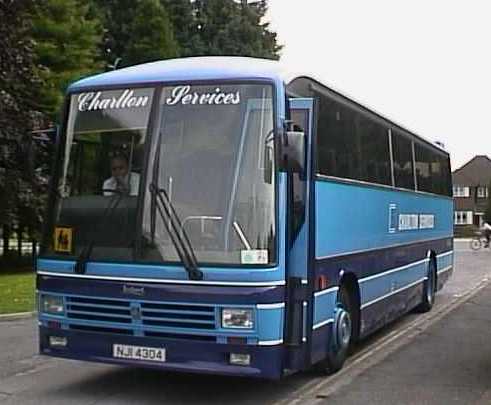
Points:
(141, 318)
(178, 316)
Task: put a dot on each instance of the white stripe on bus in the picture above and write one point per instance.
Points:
(168, 281)
(362, 280)
(327, 291)
(444, 269)
(323, 323)
(270, 342)
(271, 306)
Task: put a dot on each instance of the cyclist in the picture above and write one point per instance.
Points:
(486, 231)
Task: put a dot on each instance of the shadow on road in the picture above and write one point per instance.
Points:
(132, 385)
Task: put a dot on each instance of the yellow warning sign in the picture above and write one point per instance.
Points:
(63, 239)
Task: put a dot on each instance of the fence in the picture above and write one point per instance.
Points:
(26, 248)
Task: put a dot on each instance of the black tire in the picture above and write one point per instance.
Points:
(429, 289)
(476, 244)
(337, 352)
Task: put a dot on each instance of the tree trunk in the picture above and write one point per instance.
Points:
(19, 241)
(6, 237)
(34, 244)
(34, 251)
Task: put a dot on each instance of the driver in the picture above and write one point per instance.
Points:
(121, 180)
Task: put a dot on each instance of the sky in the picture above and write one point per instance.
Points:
(424, 64)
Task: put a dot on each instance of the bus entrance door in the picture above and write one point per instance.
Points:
(299, 304)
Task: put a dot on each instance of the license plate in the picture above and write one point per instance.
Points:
(139, 353)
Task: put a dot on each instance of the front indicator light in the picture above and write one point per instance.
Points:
(237, 318)
(240, 359)
(52, 304)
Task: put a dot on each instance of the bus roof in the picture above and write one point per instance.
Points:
(211, 68)
(187, 69)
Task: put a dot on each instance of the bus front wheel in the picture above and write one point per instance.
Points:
(342, 333)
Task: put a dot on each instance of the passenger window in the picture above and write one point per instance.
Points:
(447, 177)
(432, 170)
(373, 147)
(402, 152)
(335, 141)
(351, 145)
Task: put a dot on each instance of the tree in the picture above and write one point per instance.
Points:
(145, 34)
(153, 33)
(66, 44)
(19, 95)
(183, 17)
(230, 28)
(161, 29)
(222, 27)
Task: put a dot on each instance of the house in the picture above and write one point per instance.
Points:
(471, 191)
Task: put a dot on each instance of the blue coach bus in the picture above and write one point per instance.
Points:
(217, 215)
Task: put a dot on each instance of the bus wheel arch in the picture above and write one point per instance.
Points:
(345, 326)
(350, 282)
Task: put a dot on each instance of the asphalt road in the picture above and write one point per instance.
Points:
(436, 358)
(449, 363)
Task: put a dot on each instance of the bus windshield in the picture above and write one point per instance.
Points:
(213, 156)
(102, 162)
(211, 153)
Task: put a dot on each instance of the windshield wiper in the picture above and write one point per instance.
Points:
(83, 258)
(177, 234)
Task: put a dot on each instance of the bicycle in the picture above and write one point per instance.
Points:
(479, 242)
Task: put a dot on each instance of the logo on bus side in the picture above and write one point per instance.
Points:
(183, 95)
(409, 222)
(95, 101)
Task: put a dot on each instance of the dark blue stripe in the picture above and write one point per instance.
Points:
(365, 264)
(384, 311)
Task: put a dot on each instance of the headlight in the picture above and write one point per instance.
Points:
(238, 318)
(52, 304)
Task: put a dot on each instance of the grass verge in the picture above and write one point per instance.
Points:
(17, 292)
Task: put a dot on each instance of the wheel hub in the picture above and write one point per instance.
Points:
(343, 329)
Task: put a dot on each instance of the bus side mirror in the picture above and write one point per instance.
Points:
(293, 148)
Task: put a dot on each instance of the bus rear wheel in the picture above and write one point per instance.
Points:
(342, 334)
(429, 289)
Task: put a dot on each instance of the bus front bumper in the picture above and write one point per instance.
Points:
(180, 355)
